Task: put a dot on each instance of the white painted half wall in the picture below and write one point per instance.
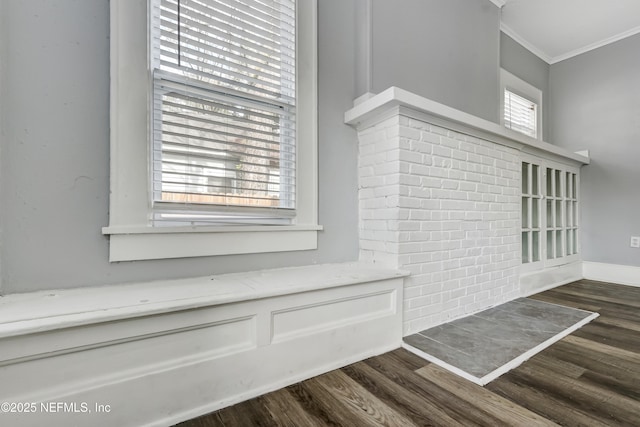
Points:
(159, 353)
(440, 196)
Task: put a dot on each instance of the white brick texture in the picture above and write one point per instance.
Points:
(444, 206)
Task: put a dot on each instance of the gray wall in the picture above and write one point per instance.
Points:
(55, 151)
(529, 67)
(54, 162)
(595, 105)
(2, 109)
(447, 51)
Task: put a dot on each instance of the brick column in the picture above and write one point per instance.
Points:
(443, 205)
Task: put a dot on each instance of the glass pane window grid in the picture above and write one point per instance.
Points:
(520, 114)
(531, 205)
(554, 214)
(549, 220)
(224, 131)
(562, 213)
(571, 206)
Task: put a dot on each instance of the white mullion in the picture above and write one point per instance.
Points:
(530, 213)
(529, 223)
(559, 221)
(577, 212)
(569, 213)
(529, 187)
(543, 210)
(563, 213)
(554, 220)
(529, 182)
(525, 209)
(569, 217)
(538, 216)
(560, 224)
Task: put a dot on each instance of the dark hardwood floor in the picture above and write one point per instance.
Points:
(590, 378)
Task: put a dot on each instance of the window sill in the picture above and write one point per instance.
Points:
(145, 243)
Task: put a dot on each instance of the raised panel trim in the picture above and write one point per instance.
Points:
(194, 381)
(280, 332)
(37, 346)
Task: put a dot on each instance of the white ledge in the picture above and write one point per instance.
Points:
(129, 243)
(50, 310)
(376, 106)
(207, 229)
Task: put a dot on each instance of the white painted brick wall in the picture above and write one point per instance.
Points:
(444, 206)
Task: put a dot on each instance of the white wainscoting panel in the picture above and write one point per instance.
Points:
(163, 368)
(295, 322)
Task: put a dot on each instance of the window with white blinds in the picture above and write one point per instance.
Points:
(520, 114)
(224, 112)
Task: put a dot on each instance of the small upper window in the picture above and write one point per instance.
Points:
(520, 114)
(521, 105)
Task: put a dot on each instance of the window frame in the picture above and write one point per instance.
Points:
(132, 237)
(521, 88)
(562, 199)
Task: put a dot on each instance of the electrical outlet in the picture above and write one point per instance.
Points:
(635, 242)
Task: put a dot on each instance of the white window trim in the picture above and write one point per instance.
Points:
(131, 235)
(545, 263)
(518, 86)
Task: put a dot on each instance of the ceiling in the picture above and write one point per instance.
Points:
(559, 29)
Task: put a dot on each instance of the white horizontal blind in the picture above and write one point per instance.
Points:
(224, 148)
(520, 114)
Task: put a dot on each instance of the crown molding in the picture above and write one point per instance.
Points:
(592, 46)
(531, 48)
(555, 59)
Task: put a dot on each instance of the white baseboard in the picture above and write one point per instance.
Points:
(164, 368)
(549, 278)
(613, 273)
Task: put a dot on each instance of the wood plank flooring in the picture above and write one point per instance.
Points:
(590, 378)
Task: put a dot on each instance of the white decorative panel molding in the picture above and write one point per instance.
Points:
(186, 348)
(299, 321)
